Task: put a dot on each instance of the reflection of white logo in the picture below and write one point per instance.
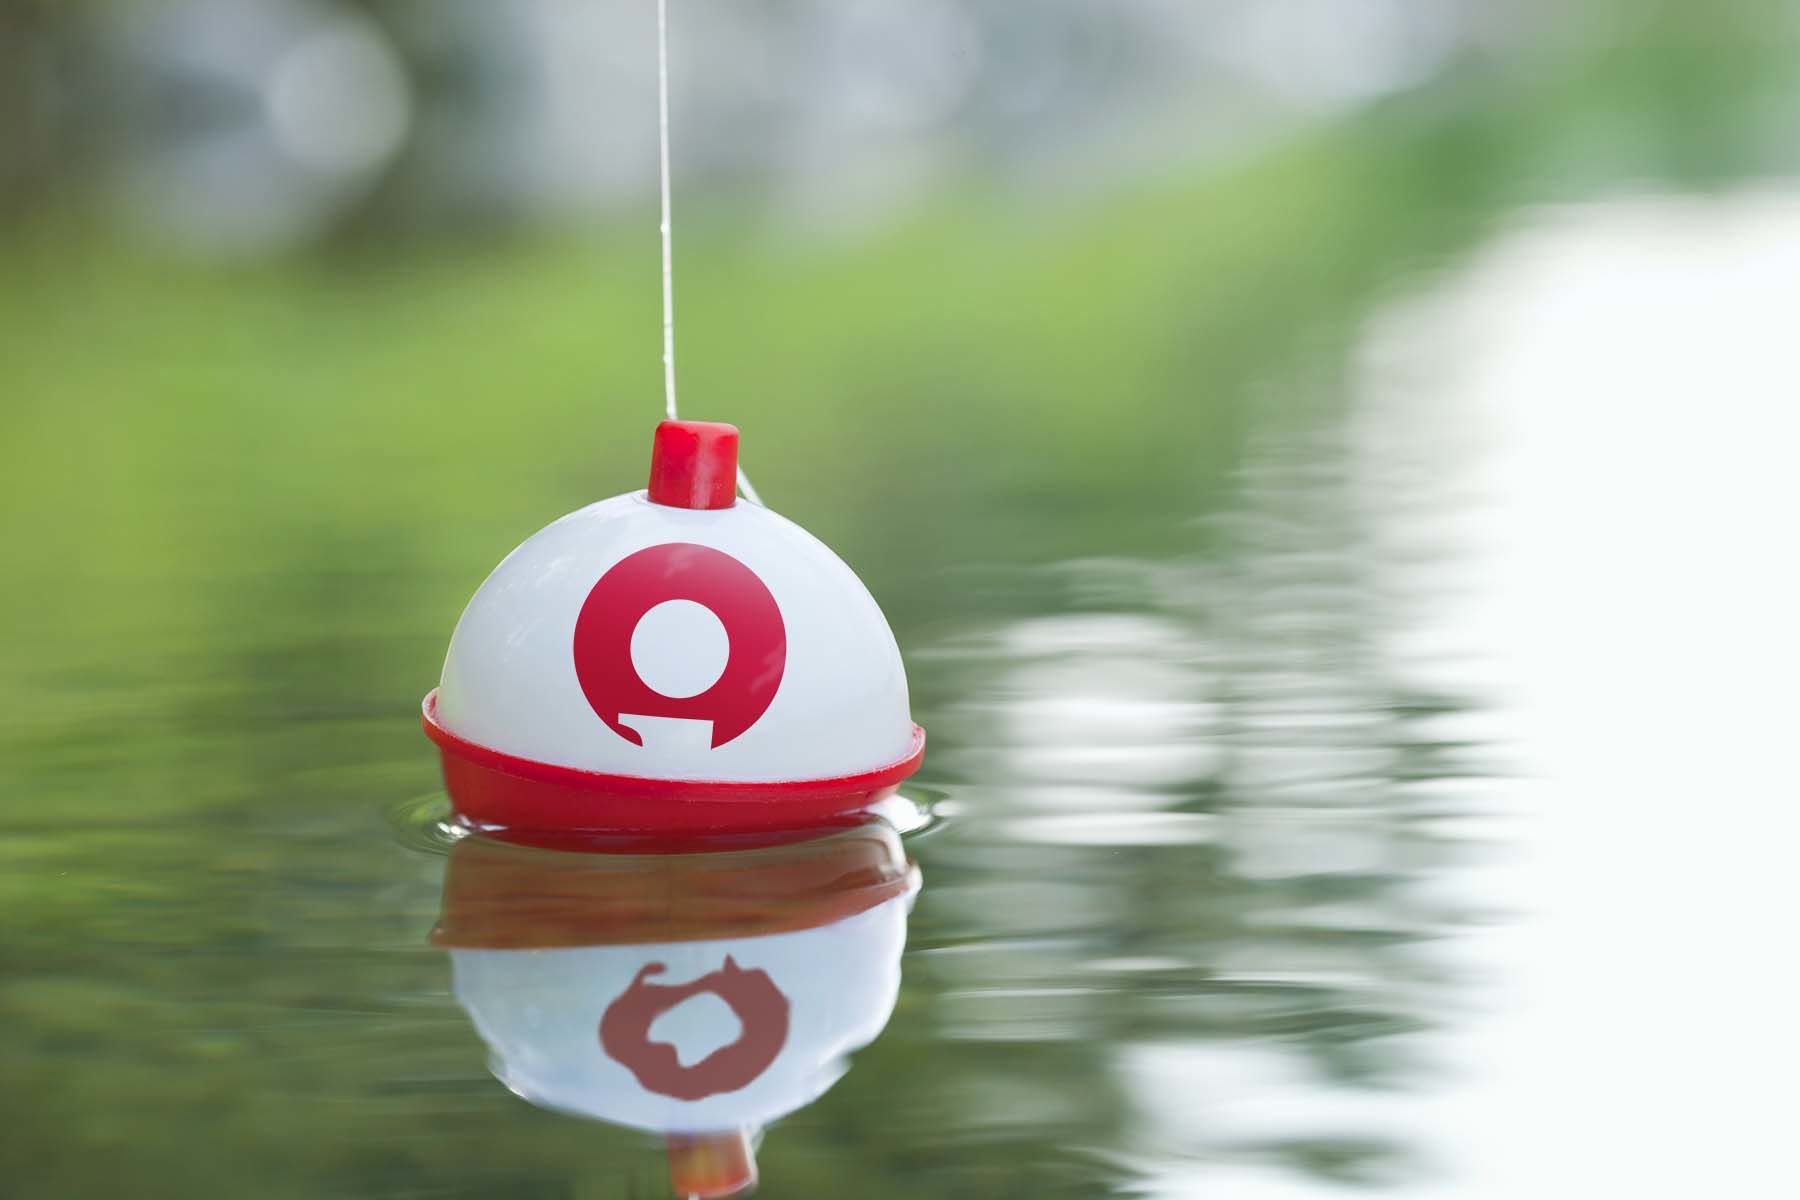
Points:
(621, 1032)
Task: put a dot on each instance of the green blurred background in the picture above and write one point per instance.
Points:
(255, 464)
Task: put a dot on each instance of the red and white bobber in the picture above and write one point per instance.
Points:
(672, 659)
(696, 996)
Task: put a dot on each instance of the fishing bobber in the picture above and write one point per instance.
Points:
(672, 659)
(696, 996)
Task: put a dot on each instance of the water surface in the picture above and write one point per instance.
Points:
(1405, 822)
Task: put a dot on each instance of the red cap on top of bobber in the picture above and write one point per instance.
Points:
(669, 661)
(693, 464)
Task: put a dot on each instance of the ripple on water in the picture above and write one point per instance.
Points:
(425, 823)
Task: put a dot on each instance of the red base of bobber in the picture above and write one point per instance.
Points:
(493, 789)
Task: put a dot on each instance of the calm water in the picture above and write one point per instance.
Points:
(1175, 841)
(1329, 851)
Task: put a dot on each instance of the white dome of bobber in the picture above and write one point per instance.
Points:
(672, 658)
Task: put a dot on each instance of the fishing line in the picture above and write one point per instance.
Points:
(668, 237)
(668, 241)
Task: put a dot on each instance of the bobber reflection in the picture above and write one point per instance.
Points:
(696, 995)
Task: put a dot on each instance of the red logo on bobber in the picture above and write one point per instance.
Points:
(760, 1008)
(638, 583)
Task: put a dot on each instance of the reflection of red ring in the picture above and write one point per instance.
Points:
(760, 1008)
(638, 583)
